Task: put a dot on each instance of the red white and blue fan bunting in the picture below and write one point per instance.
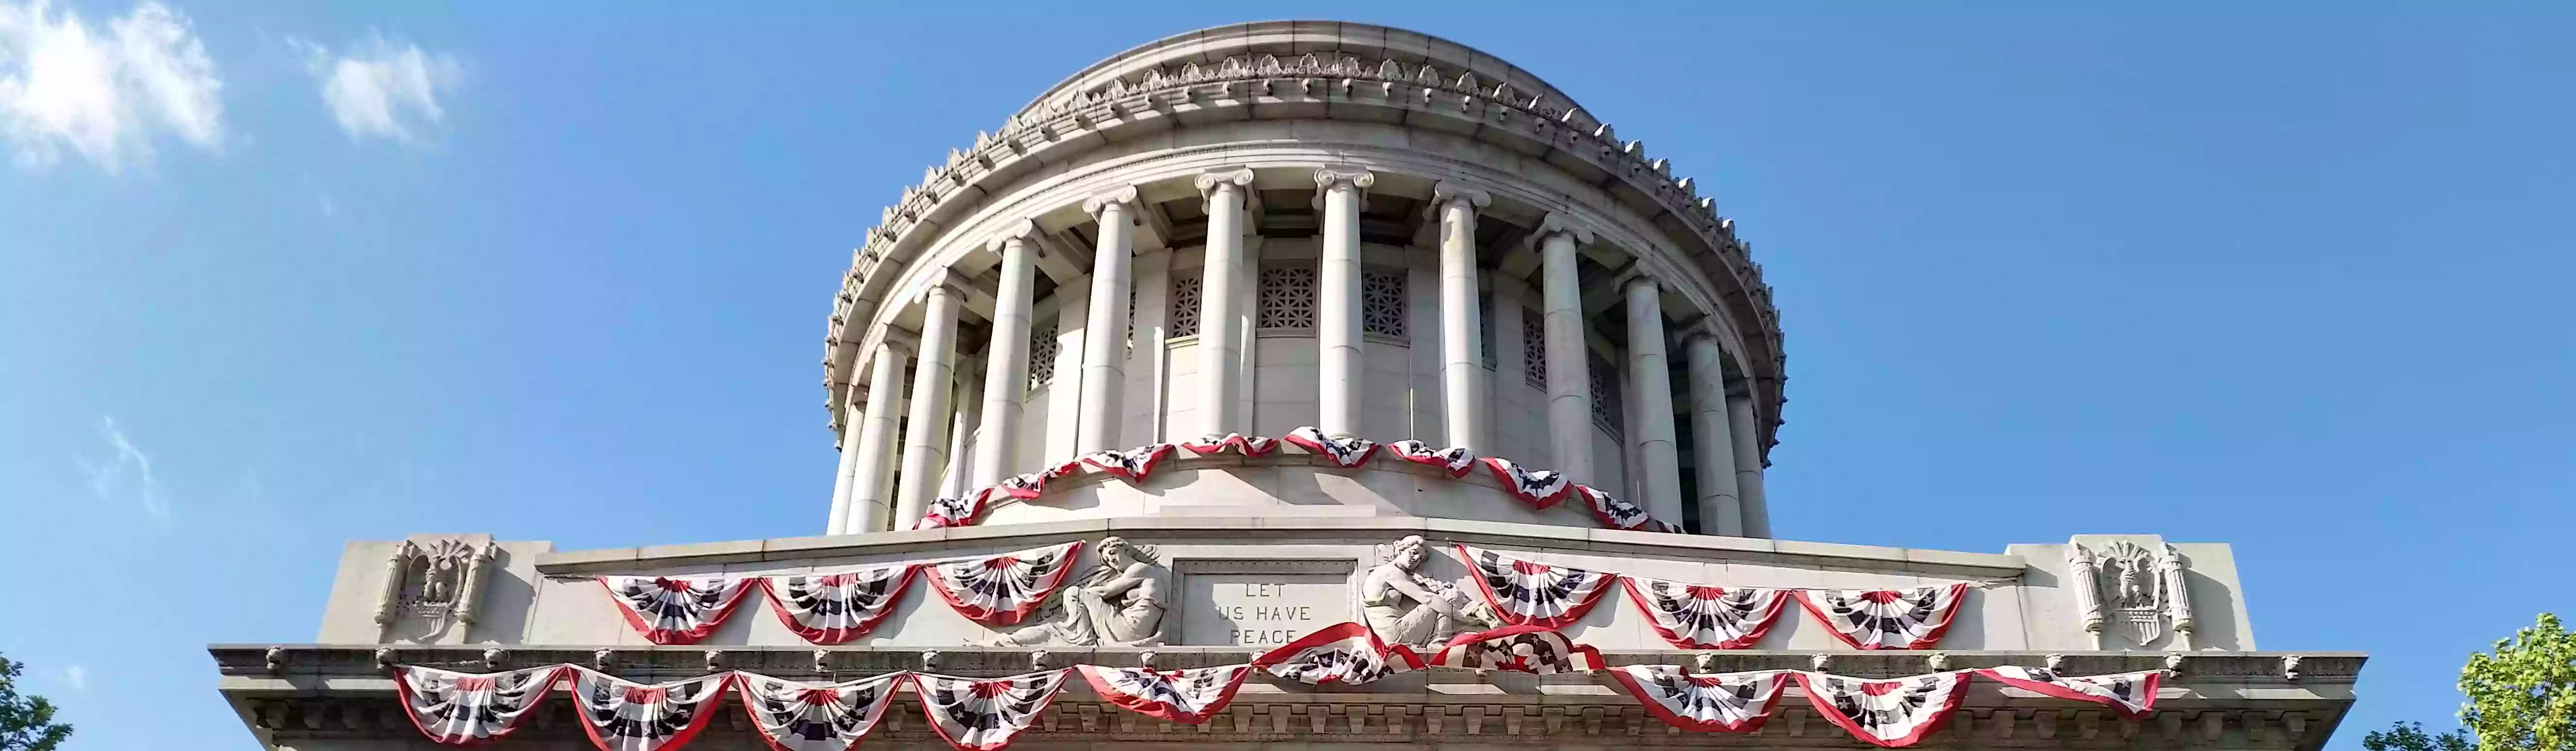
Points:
(1891, 713)
(982, 715)
(1003, 589)
(955, 512)
(621, 715)
(1529, 593)
(1619, 514)
(1697, 616)
(1235, 442)
(1457, 461)
(1188, 697)
(1347, 653)
(676, 609)
(1520, 649)
(1885, 618)
(1034, 483)
(2133, 695)
(460, 709)
(832, 608)
(1345, 452)
(1540, 488)
(1713, 703)
(795, 716)
(1132, 465)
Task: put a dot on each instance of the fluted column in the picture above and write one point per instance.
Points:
(849, 450)
(1006, 360)
(1569, 379)
(924, 448)
(1104, 332)
(1748, 464)
(1462, 348)
(869, 504)
(1721, 509)
(1337, 300)
(1220, 335)
(1652, 372)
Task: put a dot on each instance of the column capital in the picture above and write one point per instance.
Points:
(1024, 230)
(1443, 192)
(1560, 224)
(1210, 181)
(1633, 277)
(1123, 196)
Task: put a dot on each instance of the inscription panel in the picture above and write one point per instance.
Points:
(1261, 603)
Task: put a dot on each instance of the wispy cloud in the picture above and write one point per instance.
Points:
(101, 93)
(126, 475)
(77, 677)
(383, 89)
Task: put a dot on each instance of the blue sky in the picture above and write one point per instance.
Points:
(278, 275)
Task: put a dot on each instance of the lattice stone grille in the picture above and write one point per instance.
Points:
(1382, 303)
(1185, 304)
(1534, 348)
(1042, 352)
(1606, 406)
(1485, 328)
(1287, 298)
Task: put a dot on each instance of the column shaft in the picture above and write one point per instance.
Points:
(849, 450)
(1221, 341)
(1569, 370)
(924, 448)
(1104, 334)
(1464, 404)
(1748, 465)
(1721, 509)
(1337, 303)
(1006, 366)
(1652, 372)
(869, 503)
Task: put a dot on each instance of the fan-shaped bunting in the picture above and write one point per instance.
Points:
(676, 609)
(1529, 593)
(982, 715)
(1885, 618)
(1457, 461)
(621, 715)
(1188, 697)
(956, 512)
(1520, 649)
(1539, 487)
(833, 608)
(1132, 465)
(1697, 616)
(1615, 513)
(2133, 695)
(1713, 703)
(1892, 713)
(1235, 442)
(459, 709)
(1003, 589)
(1345, 452)
(1346, 653)
(795, 716)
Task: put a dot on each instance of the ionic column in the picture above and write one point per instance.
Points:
(1337, 300)
(1569, 381)
(1220, 338)
(1104, 331)
(1748, 464)
(869, 502)
(924, 448)
(1721, 509)
(1006, 360)
(1652, 373)
(849, 449)
(1462, 350)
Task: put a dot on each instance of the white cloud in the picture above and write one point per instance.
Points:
(129, 473)
(379, 88)
(77, 677)
(64, 85)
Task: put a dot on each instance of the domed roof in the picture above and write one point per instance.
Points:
(1291, 40)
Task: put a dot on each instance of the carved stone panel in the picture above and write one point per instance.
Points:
(1261, 602)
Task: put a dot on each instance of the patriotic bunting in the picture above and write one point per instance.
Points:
(1522, 649)
(676, 609)
(1540, 488)
(1891, 713)
(1456, 461)
(1188, 697)
(1235, 442)
(982, 715)
(2133, 695)
(1346, 653)
(1718, 703)
(1695, 616)
(459, 709)
(1032, 484)
(1345, 452)
(955, 512)
(624, 716)
(1530, 593)
(809, 717)
(837, 607)
(1618, 514)
(1132, 465)
(1003, 589)
(1885, 618)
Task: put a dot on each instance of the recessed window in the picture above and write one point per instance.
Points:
(1042, 352)
(1287, 298)
(1185, 304)
(1382, 303)
(1606, 406)
(1534, 348)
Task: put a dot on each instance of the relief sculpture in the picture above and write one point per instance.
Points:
(1406, 607)
(1119, 603)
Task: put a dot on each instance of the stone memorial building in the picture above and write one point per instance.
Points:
(1301, 385)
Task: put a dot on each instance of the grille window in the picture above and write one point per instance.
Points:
(1534, 348)
(1606, 406)
(1382, 303)
(1042, 352)
(1185, 304)
(1485, 327)
(1287, 298)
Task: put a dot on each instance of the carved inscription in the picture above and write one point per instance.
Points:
(1260, 607)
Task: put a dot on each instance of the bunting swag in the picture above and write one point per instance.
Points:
(1540, 488)
(1520, 649)
(1530, 593)
(1891, 713)
(1188, 697)
(459, 709)
(1034, 483)
(1345, 452)
(1003, 589)
(955, 512)
(1618, 514)
(835, 608)
(1456, 461)
(1694, 616)
(1718, 703)
(676, 609)
(2132, 695)
(982, 715)
(1346, 653)
(1235, 442)
(1885, 618)
(1132, 465)
(624, 716)
(809, 717)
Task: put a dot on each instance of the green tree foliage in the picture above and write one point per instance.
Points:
(2523, 697)
(2410, 736)
(26, 723)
